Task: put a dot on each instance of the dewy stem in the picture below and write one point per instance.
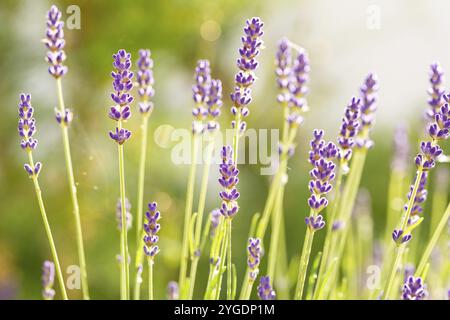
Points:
(124, 237)
(187, 215)
(304, 260)
(48, 231)
(199, 220)
(432, 243)
(73, 194)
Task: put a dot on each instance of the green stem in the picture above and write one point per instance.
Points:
(187, 215)
(124, 236)
(412, 199)
(199, 221)
(229, 271)
(150, 279)
(393, 271)
(48, 231)
(304, 260)
(432, 243)
(73, 195)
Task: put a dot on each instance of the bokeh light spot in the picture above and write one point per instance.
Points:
(210, 30)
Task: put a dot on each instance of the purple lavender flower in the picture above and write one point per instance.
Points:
(399, 237)
(283, 70)
(322, 174)
(215, 219)
(414, 289)
(54, 41)
(316, 145)
(129, 217)
(200, 92)
(401, 148)
(251, 44)
(65, 117)
(435, 91)
(27, 128)
(315, 223)
(368, 107)
(151, 229)
(300, 76)
(214, 103)
(253, 257)
(420, 198)
(122, 84)
(349, 129)
(173, 292)
(48, 278)
(228, 180)
(265, 291)
(145, 81)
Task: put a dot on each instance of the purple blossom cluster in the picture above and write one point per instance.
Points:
(145, 81)
(438, 130)
(228, 180)
(54, 41)
(48, 279)
(173, 291)
(401, 148)
(436, 91)
(300, 76)
(215, 219)
(151, 228)
(421, 196)
(265, 290)
(414, 289)
(349, 129)
(27, 128)
(122, 84)
(207, 95)
(247, 64)
(368, 107)
(253, 257)
(320, 156)
(128, 216)
(283, 70)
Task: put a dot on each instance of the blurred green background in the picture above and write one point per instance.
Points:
(343, 45)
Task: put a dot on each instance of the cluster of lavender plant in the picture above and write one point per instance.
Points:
(334, 183)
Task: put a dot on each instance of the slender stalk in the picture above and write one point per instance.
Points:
(141, 180)
(304, 260)
(432, 243)
(150, 279)
(199, 221)
(124, 237)
(229, 263)
(223, 252)
(187, 215)
(392, 273)
(48, 231)
(73, 195)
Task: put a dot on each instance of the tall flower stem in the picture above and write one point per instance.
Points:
(150, 278)
(327, 244)
(396, 261)
(73, 194)
(125, 292)
(199, 220)
(48, 231)
(432, 243)
(304, 260)
(187, 216)
(141, 180)
(229, 262)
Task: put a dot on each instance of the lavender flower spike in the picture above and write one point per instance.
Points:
(368, 107)
(48, 278)
(399, 237)
(265, 291)
(283, 70)
(297, 86)
(214, 104)
(435, 91)
(414, 289)
(200, 92)
(247, 64)
(122, 84)
(228, 180)
(215, 219)
(173, 292)
(420, 198)
(27, 128)
(145, 81)
(129, 217)
(253, 257)
(401, 148)
(349, 130)
(54, 41)
(151, 229)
